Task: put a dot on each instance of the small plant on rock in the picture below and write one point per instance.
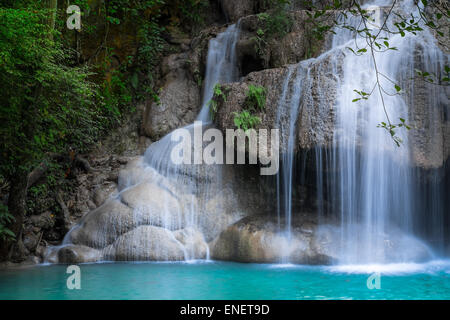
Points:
(245, 120)
(256, 98)
(218, 95)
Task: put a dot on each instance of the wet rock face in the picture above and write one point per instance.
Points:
(258, 239)
(315, 119)
(235, 9)
(78, 254)
(179, 99)
(180, 88)
(297, 44)
(156, 219)
(430, 135)
(429, 139)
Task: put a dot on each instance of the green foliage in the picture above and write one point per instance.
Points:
(5, 219)
(275, 23)
(389, 127)
(148, 15)
(218, 95)
(190, 11)
(184, 13)
(256, 97)
(255, 101)
(46, 104)
(245, 120)
(271, 4)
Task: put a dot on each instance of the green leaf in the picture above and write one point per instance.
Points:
(397, 87)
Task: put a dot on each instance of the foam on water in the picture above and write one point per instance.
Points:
(430, 267)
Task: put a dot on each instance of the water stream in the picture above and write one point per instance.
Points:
(370, 182)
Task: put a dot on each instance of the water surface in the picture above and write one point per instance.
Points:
(223, 280)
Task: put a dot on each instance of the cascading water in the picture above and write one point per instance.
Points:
(173, 198)
(374, 180)
(286, 121)
(371, 184)
(221, 66)
(361, 176)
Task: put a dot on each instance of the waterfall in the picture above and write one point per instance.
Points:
(286, 122)
(172, 206)
(190, 180)
(221, 65)
(373, 186)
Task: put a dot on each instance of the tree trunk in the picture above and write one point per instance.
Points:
(53, 5)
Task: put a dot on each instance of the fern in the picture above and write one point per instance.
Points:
(245, 120)
(256, 97)
(5, 219)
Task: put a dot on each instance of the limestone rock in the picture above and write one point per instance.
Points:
(257, 240)
(146, 243)
(155, 205)
(102, 193)
(179, 99)
(235, 9)
(44, 221)
(78, 254)
(102, 226)
(194, 243)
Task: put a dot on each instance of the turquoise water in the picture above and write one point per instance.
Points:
(220, 280)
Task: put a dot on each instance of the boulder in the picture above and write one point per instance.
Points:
(102, 226)
(43, 221)
(72, 254)
(261, 239)
(156, 205)
(194, 243)
(258, 239)
(104, 192)
(146, 243)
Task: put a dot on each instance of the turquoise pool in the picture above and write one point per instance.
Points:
(220, 280)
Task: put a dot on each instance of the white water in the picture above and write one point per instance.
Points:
(189, 180)
(373, 186)
(175, 196)
(373, 182)
(221, 66)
